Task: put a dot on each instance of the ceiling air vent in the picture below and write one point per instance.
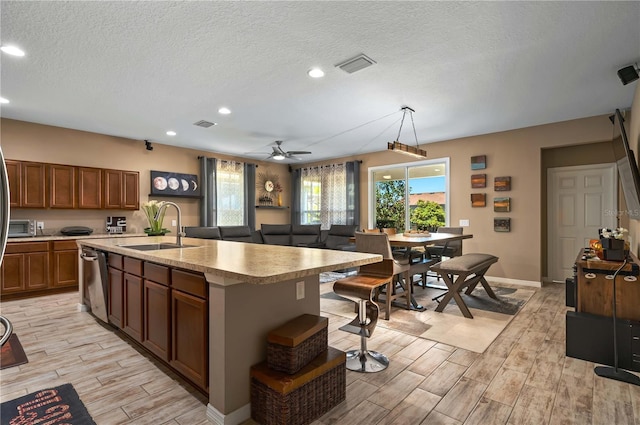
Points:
(356, 64)
(203, 123)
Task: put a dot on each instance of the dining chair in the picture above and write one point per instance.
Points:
(371, 230)
(451, 249)
(378, 243)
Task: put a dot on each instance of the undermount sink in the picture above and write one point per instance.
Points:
(157, 246)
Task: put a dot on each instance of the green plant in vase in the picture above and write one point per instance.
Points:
(151, 209)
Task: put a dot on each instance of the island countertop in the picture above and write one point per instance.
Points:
(244, 262)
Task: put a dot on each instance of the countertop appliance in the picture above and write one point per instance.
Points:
(95, 281)
(22, 228)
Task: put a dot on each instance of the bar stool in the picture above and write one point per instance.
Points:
(363, 289)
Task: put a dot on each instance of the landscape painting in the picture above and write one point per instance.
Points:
(479, 162)
(502, 183)
(478, 181)
(502, 204)
(478, 200)
(502, 224)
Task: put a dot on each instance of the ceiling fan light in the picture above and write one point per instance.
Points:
(12, 50)
(278, 157)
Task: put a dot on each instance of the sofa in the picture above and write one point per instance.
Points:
(337, 237)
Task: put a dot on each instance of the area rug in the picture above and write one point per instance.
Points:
(12, 353)
(59, 405)
(490, 317)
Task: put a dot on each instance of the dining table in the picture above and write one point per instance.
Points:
(412, 240)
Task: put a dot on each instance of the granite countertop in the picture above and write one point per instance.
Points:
(238, 261)
(45, 238)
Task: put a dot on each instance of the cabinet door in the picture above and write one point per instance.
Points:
(33, 185)
(12, 273)
(130, 190)
(89, 187)
(157, 324)
(189, 337)
(116, 296)
(65, 268)
(14, 173)
(112, 188)
(133, 306)
(37, 270)
(62, 183)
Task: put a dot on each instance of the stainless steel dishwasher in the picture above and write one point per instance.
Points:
(95, 281)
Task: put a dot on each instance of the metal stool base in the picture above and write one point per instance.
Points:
(366, 361)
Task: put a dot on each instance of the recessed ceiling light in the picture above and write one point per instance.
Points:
(12, 50)
(386, 177)
(224, 111)
(3, 100)
(171, 133)
(315, 73)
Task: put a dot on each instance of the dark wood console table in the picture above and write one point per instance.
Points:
(590, 326)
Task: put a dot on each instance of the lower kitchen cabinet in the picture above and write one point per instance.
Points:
(25, 268)
(115, 295)
(157, 319)
(189, 336)
(65, 264)
(133, 305)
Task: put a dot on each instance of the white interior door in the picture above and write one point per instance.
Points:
(580, 200)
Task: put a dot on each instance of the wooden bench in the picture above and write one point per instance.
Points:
(470, 270)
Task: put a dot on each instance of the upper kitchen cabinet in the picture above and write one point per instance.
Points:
(89, 187)
(121, 189)
(62, 186)
(27, 184)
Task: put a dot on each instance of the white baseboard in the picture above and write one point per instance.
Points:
(83, 307)
(234, 418)
(530, 283)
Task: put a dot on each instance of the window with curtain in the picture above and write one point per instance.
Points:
(326, 195)
(230, 191)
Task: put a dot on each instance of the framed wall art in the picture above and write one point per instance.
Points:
(502, 224)
(479, 162)
(478, 200)
(502, 184)
(502, 204)
(167, 183)
(478, 181)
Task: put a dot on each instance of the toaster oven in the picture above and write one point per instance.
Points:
(22, 228)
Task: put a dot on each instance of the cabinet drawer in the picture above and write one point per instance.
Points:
(157, 273)
(133, 266)
(20, 247)
(64, 245)
(191, 283)
(115, 260)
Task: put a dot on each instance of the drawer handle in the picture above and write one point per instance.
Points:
(609, 277)
(590, 275)
(630, 278)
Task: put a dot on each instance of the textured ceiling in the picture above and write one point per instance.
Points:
(138, 69)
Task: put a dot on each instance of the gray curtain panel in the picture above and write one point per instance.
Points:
(208, 191)
(295, 196)
(250, 195)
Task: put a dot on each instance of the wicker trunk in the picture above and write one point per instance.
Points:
(294, 344)
(278, 398)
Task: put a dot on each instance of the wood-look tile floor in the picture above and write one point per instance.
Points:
(522, 378)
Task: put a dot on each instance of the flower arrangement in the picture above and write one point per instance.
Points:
(618, 233)
(150, 209)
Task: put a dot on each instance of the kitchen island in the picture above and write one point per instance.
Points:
(252, 289)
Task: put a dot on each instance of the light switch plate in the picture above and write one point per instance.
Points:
(464, 223)
(173, 223)
(299, 290)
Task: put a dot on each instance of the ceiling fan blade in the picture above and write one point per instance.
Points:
(299, 152)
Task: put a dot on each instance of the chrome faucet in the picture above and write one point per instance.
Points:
(180, 233)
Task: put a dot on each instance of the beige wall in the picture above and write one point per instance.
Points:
(41, 143)
(516, 153)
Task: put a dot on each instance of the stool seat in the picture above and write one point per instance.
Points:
(363, 288)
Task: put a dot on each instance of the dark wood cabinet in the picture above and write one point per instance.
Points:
(43, 185)
(115, 290)
(65, 263)
(25, 267)
(89, 187)
(26, 184)
(157, 318)
(62, 186)
(189, 337)
(133, 306)
(121, 189)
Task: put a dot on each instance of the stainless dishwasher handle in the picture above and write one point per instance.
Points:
(88, 257)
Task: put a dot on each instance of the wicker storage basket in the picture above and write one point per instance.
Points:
(294, 344)
(281, 399)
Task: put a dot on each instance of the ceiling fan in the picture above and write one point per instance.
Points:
(279, 154)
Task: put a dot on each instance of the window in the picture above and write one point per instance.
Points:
(397, 191)
(323, 197)
(230, 199)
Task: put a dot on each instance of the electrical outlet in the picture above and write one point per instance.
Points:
(173, 223)
(299, 290)
(40, 225)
